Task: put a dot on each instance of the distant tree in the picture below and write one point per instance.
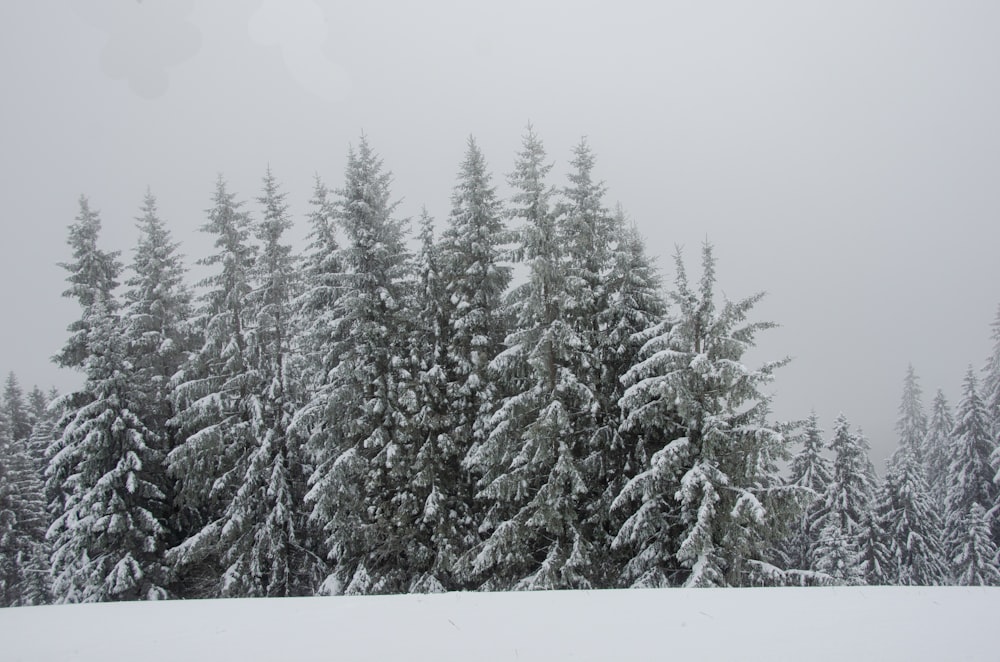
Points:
(710, 495)
(847, 520)
(991, 382)
(24, 553)
(812, 472)
(971, 474)
(906, 506)
(937, 449)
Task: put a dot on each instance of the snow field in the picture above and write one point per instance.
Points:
(870, 623)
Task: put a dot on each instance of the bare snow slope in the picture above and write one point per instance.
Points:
(688, 624)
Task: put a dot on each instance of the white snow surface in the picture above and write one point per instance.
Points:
(874, 623)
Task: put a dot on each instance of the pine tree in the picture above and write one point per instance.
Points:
(158, 338)
(474, 280)
(975, 560)
(529, 464)
(970, 475)
(216, 396)
(259, 530)
(877, 563)
(362, 441)
(633, 304)
(812, 472)
(315, 342)
(936, 449)
(906, 507)
(156, 316)
(847, 521)
(447, 528)
(24, 553)
(92, 277)
(106, 538)
(708, 497)
(991, 382)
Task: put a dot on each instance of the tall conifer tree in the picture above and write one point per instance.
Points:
(362, 442)
(216, 397)
(708, 496)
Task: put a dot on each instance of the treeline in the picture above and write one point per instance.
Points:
(364, 418)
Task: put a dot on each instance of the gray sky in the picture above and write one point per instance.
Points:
(844, 156)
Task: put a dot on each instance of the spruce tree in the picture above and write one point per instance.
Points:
(991, 382)
(156, 321)
(847, 521)
(975, 560)
(474, 279)
(447, 526)
(812, 472)
(260, 525)
(107, 541)
(906, 506)
(633, 303)
(24, 552)
(708, 496)
(362, 441)
(529, 464)
(216, 397)
(936, 449)
(315, 343)
(970, 475)
(93, 276)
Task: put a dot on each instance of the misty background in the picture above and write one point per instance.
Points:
(842, 156)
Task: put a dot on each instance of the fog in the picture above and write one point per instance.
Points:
(842, 156)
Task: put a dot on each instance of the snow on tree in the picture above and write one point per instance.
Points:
(156, 320)
(260, 525)
(529, 464)
(905, 505)
(877, 564)
(846, 520)
(975, 560)
(315, 355)
(970, 474)
(991, 382)
(710, 494)
(633, 303)
(936, 449)
(319, 290)
(361, 420)
(474, 278)
(156, 317)
(447, 527)
(216, 396)
(93, 275)
(24, 552)
(812, 472)
(107, 540)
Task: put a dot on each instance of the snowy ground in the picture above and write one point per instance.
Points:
(700, 624)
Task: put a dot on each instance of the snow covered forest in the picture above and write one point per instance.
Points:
(393, 412)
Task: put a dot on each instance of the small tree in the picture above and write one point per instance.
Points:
(812, 472)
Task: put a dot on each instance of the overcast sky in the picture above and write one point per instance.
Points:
(843, 156)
